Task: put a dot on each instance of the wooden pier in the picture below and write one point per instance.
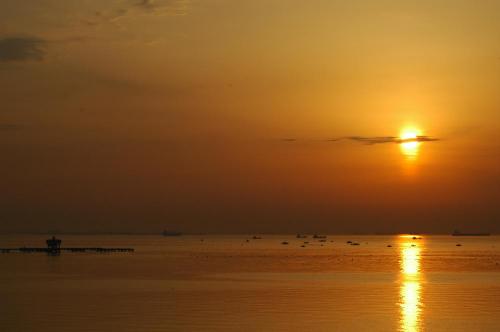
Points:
(48, 250)
(54, 248)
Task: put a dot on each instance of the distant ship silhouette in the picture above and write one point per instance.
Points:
(171, 233)
(459, 233)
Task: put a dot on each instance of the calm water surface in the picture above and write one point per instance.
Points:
(224, 283)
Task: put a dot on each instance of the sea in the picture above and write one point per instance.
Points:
(241, 283)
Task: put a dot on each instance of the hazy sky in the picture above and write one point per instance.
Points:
(225, 115)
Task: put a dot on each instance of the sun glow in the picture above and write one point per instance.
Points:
(409, 133)
(409, 146)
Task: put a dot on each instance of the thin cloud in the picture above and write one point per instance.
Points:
(147, 5)
(371, 140)
(22, 49)
(388, 139)
(164, 7)
(142, 7)
(102, 17)
(9, 127)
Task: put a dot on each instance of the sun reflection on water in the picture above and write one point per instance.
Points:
(410, 289)
(410, 260)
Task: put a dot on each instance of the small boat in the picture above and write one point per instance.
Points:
(316, 236)
(458, 233)
(300, 236)
(354, 244)
(256, 237)
(284, 242)
(171, 233)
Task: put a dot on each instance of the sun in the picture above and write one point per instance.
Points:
(409, 133)
(409, 145)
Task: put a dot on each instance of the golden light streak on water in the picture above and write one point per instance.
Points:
(410, 260)
(410, 289)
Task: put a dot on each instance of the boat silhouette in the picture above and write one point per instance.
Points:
(171, 233)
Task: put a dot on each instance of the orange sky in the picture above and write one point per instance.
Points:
(144, 115)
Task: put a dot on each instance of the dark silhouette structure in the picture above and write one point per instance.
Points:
(54, 248)
(171, 233)
(54, 244)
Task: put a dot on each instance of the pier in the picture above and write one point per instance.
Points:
(54, 247)
(47, 250)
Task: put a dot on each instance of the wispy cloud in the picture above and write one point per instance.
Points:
(167, 7)
(389, 139)
(141, 7)
(9, 127)
(22, 49)
(370, 140)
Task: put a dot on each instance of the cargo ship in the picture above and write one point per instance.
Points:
(171, 233)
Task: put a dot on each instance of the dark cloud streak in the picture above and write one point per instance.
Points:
(389, 139)
(22, 49)
(9, 127)
(141, 7)
(376, 139)
(169, 7)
